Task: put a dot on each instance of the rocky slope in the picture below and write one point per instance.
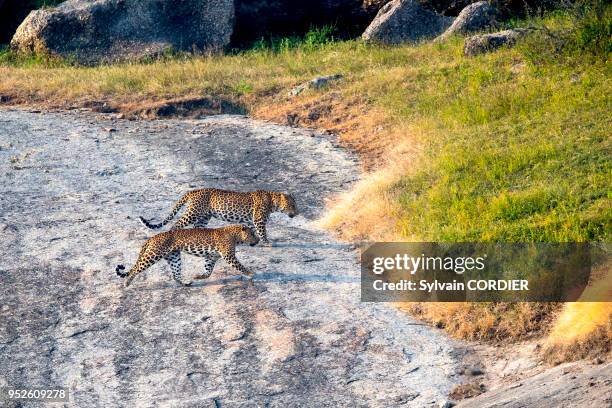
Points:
(73, 186)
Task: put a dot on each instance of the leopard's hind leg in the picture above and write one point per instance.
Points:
(202, 221)
(146, 259)
(188, 219)
(174, 260)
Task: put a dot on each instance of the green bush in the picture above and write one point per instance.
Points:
(593, 31)
(46, 3)
(581, 30)
(316, 38)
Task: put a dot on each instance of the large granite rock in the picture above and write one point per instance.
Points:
(475, 17)
(111, 30)
(297, 335)
(480, 44)
(401, 21)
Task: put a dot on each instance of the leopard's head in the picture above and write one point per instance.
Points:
(247, 236)
(286, 204)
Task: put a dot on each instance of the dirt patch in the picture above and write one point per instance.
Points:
(142, 108)
(358, 126)
(467, 390)
(187, 107)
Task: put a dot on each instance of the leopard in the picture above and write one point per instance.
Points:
(248, 208)
(209, 243)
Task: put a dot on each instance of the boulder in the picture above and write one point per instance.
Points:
(475, 17)
(401, 21)
(93, 31)
(483, 43)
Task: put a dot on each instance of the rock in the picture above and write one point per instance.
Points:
(274, 343)
(401, 21)
(316, 83)
(549, 388)
(475, 371)
(483, 43)
(474, 17)
(446, 404)
(114, 30)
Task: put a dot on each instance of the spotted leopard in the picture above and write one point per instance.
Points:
(249, 208)
(209, 243)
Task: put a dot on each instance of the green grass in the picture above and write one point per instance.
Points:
(517, 157)
(522, 147)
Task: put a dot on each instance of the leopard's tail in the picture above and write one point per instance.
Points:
(177, 207)
(120, 269)
(141, 264)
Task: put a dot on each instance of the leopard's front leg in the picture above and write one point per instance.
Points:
(260, 218)
(209, 265)
(230, 258)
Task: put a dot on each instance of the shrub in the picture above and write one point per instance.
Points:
(582, 30)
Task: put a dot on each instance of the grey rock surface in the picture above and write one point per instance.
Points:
(315, 83)
(567, 385)
(477, 16)
(298, 336)
(483, 43)
(92, 31)
(401, 21)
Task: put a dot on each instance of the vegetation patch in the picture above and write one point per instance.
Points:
(184, 107)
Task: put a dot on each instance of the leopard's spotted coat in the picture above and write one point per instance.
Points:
(248, 208)
(211, 244)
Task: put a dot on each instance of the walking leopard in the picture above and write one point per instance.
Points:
(248, 208)
(209, 243)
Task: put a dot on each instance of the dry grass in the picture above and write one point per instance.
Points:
(584, 329)
(467, 390)
(373, 201)
(490, 322)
